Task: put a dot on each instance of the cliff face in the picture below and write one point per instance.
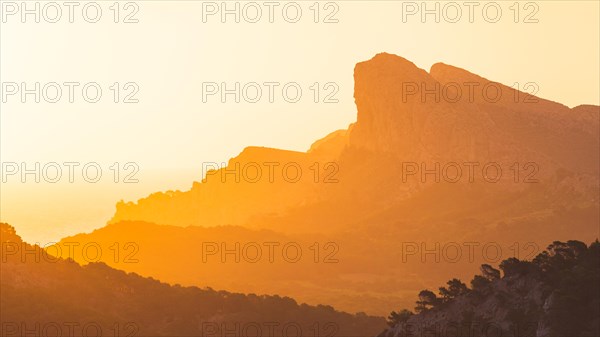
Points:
(451, 114)
(388, 119)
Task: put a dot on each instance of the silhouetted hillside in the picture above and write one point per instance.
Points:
(41, 293)
(555, 295)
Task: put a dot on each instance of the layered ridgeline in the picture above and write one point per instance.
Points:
(46, 296)
(435, 160)
(555, 295)
(405, 115)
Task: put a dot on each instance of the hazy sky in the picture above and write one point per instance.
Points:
(176, 46)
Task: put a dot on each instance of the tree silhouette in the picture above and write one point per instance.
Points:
(489, 272)
(455, 289)
(480, 284)
(399, 317)
(427, 300)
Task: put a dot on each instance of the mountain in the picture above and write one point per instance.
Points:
(436, 160)
(399, 121)
(47, 296)
(555, 295)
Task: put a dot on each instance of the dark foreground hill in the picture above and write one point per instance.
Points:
(555, 295)
(46, 296)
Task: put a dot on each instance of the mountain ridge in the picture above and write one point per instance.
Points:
(364, 192)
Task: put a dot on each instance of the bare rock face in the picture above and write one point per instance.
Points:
(452, 114)
(405, 111)
(388, 120)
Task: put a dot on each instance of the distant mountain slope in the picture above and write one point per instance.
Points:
(258, 181)
(314, 269)
(556, 295)
(40, 293)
